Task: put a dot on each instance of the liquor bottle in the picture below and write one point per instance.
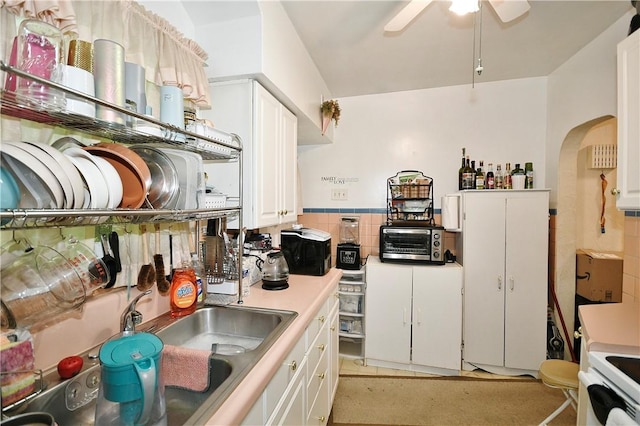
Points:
(461, 170)
(467, 175)
(506, 179)
(473, 169)
(528, 171)
(518, 177)
(489, 181)
(497, 179)
(480, 176)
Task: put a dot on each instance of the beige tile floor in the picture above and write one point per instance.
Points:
(355, 366)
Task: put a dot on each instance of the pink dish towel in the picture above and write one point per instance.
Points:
(185, 368)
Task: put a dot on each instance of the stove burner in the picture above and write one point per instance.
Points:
(629, 366)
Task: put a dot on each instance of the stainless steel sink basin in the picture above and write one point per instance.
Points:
(72, 402)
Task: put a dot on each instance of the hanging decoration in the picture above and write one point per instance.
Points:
(330, 111)
(603, 185)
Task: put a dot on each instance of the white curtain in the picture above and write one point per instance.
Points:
(168, 57)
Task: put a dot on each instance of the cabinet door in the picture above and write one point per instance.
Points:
(388, 311)
(333, 351)
(266, 157)
(437, 316)
(288, 168)
(527, 225)
(484, 263)
(629, 123)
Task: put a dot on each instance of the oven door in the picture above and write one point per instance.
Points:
(615, 417)
(405, 244)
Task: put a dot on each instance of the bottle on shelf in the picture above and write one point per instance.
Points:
(468, 178)
(461, 170)
(480, 176)
(506, 179)
(473, 169)
(199, 271)
(497, 179)
(490, 179)
(517, 177)
(528, 170)
(183, 294)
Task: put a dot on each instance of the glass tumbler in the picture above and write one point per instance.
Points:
(40, 53)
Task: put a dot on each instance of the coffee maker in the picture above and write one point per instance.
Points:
(348, 251)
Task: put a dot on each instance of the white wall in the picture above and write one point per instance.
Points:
(582, 89)
(379, 135)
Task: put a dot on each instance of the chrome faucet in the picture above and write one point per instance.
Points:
(131, 317)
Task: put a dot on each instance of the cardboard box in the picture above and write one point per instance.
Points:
(599, 275)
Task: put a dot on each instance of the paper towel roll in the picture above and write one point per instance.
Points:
(451, 212)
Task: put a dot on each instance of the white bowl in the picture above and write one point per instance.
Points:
(72, 172)
(82, 81)
(114, 183)
(55, 168)
(99, 194)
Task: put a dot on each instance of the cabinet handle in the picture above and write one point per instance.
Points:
(499, 282)
(293, 365)
(321, 376)
(419, 316)
(404, 315)
(321, 418)
(284, 212)
(321, 346)
(578, 333)
(615, 191)
(511, 283)
(333, 328)
(321, 318)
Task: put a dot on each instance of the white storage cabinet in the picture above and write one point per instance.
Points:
(628, 191)
(505, 259)
(352, 290)
(269, 134)
(414, 317)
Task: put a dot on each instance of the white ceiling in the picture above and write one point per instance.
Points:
(354, 55)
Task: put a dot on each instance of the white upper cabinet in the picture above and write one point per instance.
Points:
(269, 169)
(628, 191)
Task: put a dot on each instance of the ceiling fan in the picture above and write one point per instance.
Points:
(507, 10)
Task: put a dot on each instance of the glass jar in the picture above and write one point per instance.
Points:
(40, 53)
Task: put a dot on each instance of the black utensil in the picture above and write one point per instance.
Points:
(109, 261)
(114, 242)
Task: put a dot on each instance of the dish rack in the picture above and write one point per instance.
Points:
(410, 199)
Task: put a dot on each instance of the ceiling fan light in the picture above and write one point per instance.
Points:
(462, 7)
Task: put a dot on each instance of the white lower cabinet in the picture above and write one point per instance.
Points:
(414, 317)
(302, 390)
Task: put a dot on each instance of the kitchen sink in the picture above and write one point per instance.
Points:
(237, 336)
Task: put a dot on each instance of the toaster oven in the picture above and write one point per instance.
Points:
(412, 244)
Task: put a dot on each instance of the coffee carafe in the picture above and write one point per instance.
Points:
(131, 389)
(275, 272)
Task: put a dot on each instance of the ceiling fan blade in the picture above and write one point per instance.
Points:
(508, 10)
(406, 15)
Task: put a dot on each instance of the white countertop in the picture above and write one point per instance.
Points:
(611, 327)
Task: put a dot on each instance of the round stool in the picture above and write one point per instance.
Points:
(563, 375)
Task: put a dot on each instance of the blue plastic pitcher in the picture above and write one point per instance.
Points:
(131, 390)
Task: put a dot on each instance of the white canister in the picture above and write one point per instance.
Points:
(172, 110)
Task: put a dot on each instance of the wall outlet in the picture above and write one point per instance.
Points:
(339, 194)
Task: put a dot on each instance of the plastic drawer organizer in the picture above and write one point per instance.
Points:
(352, 289)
